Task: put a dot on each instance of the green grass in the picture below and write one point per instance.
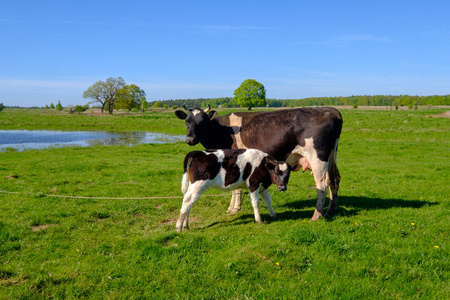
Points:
(388, 240)
(151, 120)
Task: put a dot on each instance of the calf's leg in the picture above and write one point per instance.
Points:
(265, 195)
(254, 197)
(193, 193)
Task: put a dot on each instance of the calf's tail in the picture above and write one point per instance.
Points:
(185, 180)
(184, 183)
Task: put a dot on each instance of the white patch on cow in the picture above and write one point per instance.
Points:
(236, 124)
(307, 151)
(318, 167)
(283, 167)
(196, 111)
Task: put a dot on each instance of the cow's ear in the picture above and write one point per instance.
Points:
(180, 114)
(295, 167)
(212, 114)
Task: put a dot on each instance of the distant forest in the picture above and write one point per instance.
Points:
(355, 101)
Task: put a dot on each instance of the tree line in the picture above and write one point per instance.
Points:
(114, 93)
(355, 101)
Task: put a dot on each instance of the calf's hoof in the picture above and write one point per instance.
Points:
(317, 215)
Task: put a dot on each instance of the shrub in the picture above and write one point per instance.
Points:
(70, 109)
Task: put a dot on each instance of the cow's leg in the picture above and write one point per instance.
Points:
(268, 201)
(231, 206)
(193, 193)
(236, 202)
(254, 197)
(319, 169)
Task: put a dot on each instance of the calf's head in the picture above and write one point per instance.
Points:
(279, 172)
(197, 122)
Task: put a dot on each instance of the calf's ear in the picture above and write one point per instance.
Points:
(180, 114)
(212, 114)
(270, 163)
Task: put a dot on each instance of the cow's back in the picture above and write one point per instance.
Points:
(279, 132)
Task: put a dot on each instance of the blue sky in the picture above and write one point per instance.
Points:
(54, 50)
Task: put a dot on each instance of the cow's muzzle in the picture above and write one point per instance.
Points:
(191, 141)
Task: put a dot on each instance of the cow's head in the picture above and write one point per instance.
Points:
(197, 122)
(279, 172)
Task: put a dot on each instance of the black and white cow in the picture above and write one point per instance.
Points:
(231, 169)
(305, 136)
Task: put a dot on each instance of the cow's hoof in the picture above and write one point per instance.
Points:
(330, 212)
(233, 211)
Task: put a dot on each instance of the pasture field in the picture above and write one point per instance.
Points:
(388, 240)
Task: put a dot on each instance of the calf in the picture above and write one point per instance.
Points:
(231, 169)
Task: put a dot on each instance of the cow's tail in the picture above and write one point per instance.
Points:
(333, 171)
(185, 180)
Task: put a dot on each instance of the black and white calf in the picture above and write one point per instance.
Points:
(231, 169)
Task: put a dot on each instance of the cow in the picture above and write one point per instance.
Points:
(231, 169)
(307, 137)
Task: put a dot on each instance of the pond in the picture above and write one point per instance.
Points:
(42, 139)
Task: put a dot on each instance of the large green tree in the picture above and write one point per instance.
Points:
(131, 96)
(105, 92)
(250, 93)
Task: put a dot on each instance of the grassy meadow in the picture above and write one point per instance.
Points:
(388, 240)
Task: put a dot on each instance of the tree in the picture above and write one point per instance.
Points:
(59, 106)
(105, 92)
(250, 93)
(52, 106)
(157, 104)
(1, 106)
(144, 105)
(131, 96)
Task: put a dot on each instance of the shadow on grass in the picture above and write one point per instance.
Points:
(347, 206)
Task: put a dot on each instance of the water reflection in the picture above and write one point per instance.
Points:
(42, 139)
